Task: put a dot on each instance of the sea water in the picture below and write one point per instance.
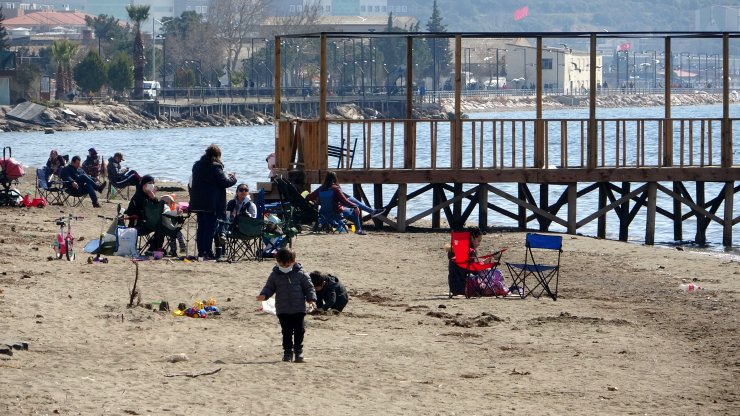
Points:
(169, 154)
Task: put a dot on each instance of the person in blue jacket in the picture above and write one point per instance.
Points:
(77, 183)
(208, 197)
(292, 288)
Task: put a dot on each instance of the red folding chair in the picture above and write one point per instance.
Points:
(469, 276)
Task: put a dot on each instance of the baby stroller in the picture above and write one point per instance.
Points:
(10, 172)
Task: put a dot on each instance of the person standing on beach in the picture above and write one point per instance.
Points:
(208, 197)
(292, 288)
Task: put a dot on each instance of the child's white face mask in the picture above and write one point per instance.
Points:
(149, 187)
(286, 269)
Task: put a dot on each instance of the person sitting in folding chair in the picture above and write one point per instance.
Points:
(121, 177)
(77, 183)
(54, 165)
(172, 221)
(240, 204)
(472, 274)
(92, 165)
(145, 192)
(342, 206)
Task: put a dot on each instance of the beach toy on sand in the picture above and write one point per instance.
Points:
(689, 287)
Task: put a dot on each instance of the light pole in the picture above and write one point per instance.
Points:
(154, 60)
(164, 62)
(467, 73)
(524, 77)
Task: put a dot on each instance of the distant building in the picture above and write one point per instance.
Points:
(198, 6)
(69, 22)
(717, 18)
(342, 7)
(358, 23)
(13, 9)
(563, 69)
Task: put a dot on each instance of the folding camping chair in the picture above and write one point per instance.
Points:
(52, 191)
(543, 274)
(73, 197)
(244, 239)
(303, 212)
(328, 219)
(152, 228)
(113, 190)
(467, 276)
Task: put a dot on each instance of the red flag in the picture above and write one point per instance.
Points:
(521, 13)
(624, 47)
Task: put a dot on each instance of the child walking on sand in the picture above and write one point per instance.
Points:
(292, 288)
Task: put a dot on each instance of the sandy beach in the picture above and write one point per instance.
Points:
(620, 339)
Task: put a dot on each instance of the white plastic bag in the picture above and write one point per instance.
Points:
(126, 242)
(268, 306)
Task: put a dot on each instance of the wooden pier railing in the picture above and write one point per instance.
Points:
(630, 162)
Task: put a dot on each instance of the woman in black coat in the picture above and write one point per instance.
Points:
(208, 197)
(145, 193)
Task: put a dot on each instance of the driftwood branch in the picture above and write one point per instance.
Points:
(193, 375)
(133, 290)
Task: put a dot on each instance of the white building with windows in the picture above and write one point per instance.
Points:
(564, 70)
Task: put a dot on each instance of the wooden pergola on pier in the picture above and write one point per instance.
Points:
(633, 164)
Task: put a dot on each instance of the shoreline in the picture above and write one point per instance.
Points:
(424, 226)
(98, 117)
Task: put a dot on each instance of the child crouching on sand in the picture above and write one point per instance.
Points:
(292, 288)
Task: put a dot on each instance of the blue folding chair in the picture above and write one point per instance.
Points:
(328, 219)
(543, 274)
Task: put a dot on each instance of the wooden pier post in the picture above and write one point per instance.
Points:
(544, 204)
(521, 211)
(401, 209)
(650, 219)
(701, 220)
(727, 223)
(601, 221)
(483, 206)
(436, 189)
(572, 198)
(624, 219)
(677, 213)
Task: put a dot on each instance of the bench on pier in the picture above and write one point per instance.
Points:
(340, 152)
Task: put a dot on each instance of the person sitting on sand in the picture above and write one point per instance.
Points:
(330, 292)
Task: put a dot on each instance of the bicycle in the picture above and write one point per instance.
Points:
(64, 242)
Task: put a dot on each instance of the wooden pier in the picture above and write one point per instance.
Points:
(628, 163)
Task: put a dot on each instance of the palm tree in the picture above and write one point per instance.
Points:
(138, 14)
(63, 52)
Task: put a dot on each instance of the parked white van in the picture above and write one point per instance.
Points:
(151, 88)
